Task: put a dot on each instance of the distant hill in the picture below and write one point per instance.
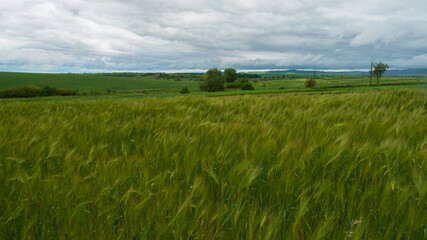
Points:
(407, 72)
(397, 73)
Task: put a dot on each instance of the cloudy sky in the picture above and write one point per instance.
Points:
(159, 35)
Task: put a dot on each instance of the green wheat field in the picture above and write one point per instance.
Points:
(270, 166)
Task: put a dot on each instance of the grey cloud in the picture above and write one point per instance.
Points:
(92, 35)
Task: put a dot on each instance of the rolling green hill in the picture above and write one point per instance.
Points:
(137, 85)
(94, 82)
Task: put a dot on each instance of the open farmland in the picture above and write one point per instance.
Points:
(141, 85)
(100, 82)
(289, 166)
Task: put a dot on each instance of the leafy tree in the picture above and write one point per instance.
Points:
(230, 75)
(379, 70)
(213, 81)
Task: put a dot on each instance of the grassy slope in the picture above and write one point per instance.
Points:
(88, 82)
(338, 82)
(155, 87)
(229, 92)
(241, 167)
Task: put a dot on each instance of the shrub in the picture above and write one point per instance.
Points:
(247, 86)
(65, 92)
(48, 91)
(184, 90)
(237, 84)
(310, 83)
(244, 80)
(33, 91)
(21, 92)
(95, 92)
(243, 84)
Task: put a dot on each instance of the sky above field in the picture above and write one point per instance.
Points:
(158, 35)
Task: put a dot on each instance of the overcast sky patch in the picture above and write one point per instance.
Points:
(120, 35)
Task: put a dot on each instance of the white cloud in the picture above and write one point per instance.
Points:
(80, 35)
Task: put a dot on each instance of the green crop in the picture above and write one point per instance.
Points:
(95, 82)
(349, 166)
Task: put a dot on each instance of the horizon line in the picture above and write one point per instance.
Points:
(94, 71)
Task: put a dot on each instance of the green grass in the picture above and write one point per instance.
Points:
(289, 166)
(94, 82)
(228, 92)
(167, 84)
(341, 82)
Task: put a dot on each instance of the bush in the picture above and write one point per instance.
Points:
(310, 83)
(33, 91)
(234, 85)
(244, 80)
(65, 92)
(95, 92)
(247, 86)
(21, 92)
(49, 91)
(243, 84)
(184, 90)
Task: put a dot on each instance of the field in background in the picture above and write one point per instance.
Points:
(340, 82)
(140, 85)
(291, 166)
(100, 82)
